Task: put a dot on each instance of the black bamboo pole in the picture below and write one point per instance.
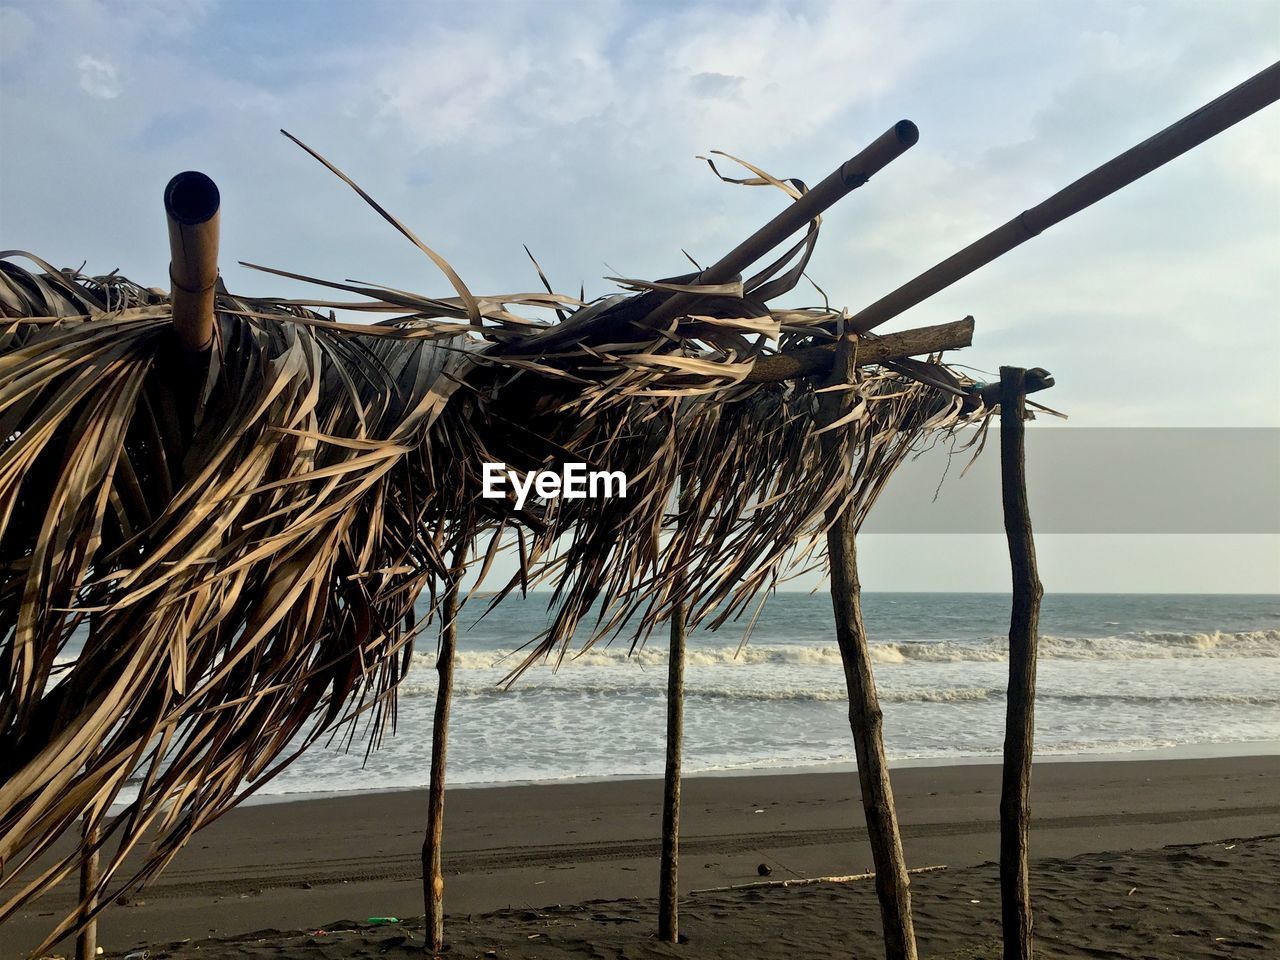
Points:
(1015, 811)
(432, 875)
(1192, 130)
(865, 717)
(851, 174)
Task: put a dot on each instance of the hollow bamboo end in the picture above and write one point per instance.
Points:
(191, 203)
(192, 198)
(907, 132)
(886, 148)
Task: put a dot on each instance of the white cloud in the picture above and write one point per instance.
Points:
(574, 128)
(494, 86)
(98, 78)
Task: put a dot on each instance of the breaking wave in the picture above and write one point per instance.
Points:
(553, 690)
(1142, 645)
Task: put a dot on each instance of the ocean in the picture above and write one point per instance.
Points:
(1118, 674)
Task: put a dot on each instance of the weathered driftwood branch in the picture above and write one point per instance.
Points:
(816, 361)
(1210, 120)
(865, 717)
(1015, 812)
(809, 881)
(852, 174)
(191, 201)
(432, 875)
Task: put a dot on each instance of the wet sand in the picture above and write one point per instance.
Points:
(1136, 858)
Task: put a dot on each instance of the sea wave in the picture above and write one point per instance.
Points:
(1152, 645)
(1138, 645)
(543, 690)
(787, 694)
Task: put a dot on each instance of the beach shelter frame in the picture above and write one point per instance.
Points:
(1233, 106)
(836, 363)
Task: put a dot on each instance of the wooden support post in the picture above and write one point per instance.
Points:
(668, 878)
(1015, 814)
(432, 876)
(87, 941)
(865, 717)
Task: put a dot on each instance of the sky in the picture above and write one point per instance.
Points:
(575, 128)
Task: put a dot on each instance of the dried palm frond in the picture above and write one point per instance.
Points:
(240, 541)
(239, 544)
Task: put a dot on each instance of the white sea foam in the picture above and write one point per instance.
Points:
(1143, 645)
(694, 692)
(543, 690)
(1122, 673)
(1117, 674)
(1148, 645)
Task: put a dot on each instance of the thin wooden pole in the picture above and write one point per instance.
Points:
(1192, 130)
(432, 876)
(865, 717)
(87, 942)
(668, 877)
(1015, 810)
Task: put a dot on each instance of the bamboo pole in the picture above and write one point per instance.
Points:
(87, 941)
(851, 174)
(1015, 813)
(865, 717)
(191, 202)
(669, 870)
(1248, 98)
(432, 875)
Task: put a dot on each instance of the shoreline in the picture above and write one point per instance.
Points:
(1181, 751)
(317, 863)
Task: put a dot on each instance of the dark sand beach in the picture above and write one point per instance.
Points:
(1136, 858)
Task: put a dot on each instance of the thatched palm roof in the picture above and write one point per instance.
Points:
(241, 540)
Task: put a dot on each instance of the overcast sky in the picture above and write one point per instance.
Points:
(574, 128)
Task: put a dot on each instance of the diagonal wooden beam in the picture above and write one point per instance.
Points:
(850, 175)
(1192, 130)
(853, 173)
(815, 361)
